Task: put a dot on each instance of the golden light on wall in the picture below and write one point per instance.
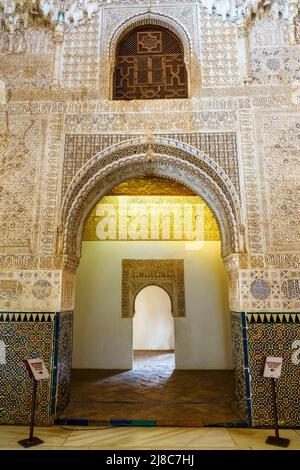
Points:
(153, 218)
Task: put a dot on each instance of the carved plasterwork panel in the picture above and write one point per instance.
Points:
(30, 42)
(281, 137)
(218, 49)
(20, 155)
(28, 65)
(81, 112)
(81, 55)
(268, 32)
(276, 65)
(234, 290)
(221, 147)
(272, 58)
(151, 187)
(250, 183)
(282, 260)
(158, 121)
(167, 274)
(270, 290)
(67, 290)
(53, 170)
(136, 218)
(22, 262)
(29, 290)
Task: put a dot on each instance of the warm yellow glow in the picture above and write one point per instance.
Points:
(169, 218)
(194, 246)
(151, 186)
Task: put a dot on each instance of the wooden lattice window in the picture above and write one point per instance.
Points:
(150, 65)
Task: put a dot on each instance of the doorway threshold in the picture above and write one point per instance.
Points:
(144, 423)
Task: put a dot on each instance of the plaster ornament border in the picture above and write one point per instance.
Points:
(167, 274)
(161, 157)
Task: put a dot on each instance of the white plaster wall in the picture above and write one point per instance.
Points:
(102, 339)
(153, 324)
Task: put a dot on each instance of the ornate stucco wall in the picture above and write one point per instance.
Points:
(56, 116)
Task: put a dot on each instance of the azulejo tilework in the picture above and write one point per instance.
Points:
(25, 336)
(64, 361)
(240, 373)
(30, 335)
(274, 335)
(255, 336)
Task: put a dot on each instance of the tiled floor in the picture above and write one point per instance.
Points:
(153, 390)
(56, 438)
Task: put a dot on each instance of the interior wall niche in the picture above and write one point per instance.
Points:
(167, 274)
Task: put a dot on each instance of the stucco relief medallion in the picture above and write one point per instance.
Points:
(260, 289)
(41, 289)
(291, 289)
(10, 289)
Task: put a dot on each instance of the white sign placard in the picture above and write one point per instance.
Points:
(273, 366)
(38, 369)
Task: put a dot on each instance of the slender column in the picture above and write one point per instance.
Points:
(292, 32)
(243, 54)
(58, 40)
(2, 92)
(293, 11)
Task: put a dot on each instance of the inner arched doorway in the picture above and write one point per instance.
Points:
(153, 329)
(153, 324)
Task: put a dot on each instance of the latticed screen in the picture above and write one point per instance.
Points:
(150, 65)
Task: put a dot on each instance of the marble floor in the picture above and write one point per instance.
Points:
(58, 438)
(153, 390)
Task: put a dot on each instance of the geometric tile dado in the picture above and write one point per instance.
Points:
(255, 336)
(30, 335)
(25, 337)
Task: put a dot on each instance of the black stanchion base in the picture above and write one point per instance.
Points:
(277, 441)
(35, 441)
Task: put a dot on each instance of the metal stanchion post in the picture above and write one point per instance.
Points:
(276, 440)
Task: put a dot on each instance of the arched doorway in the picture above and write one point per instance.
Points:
(153, 329)
(148, 158)
(158, 157)
(153, 324)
